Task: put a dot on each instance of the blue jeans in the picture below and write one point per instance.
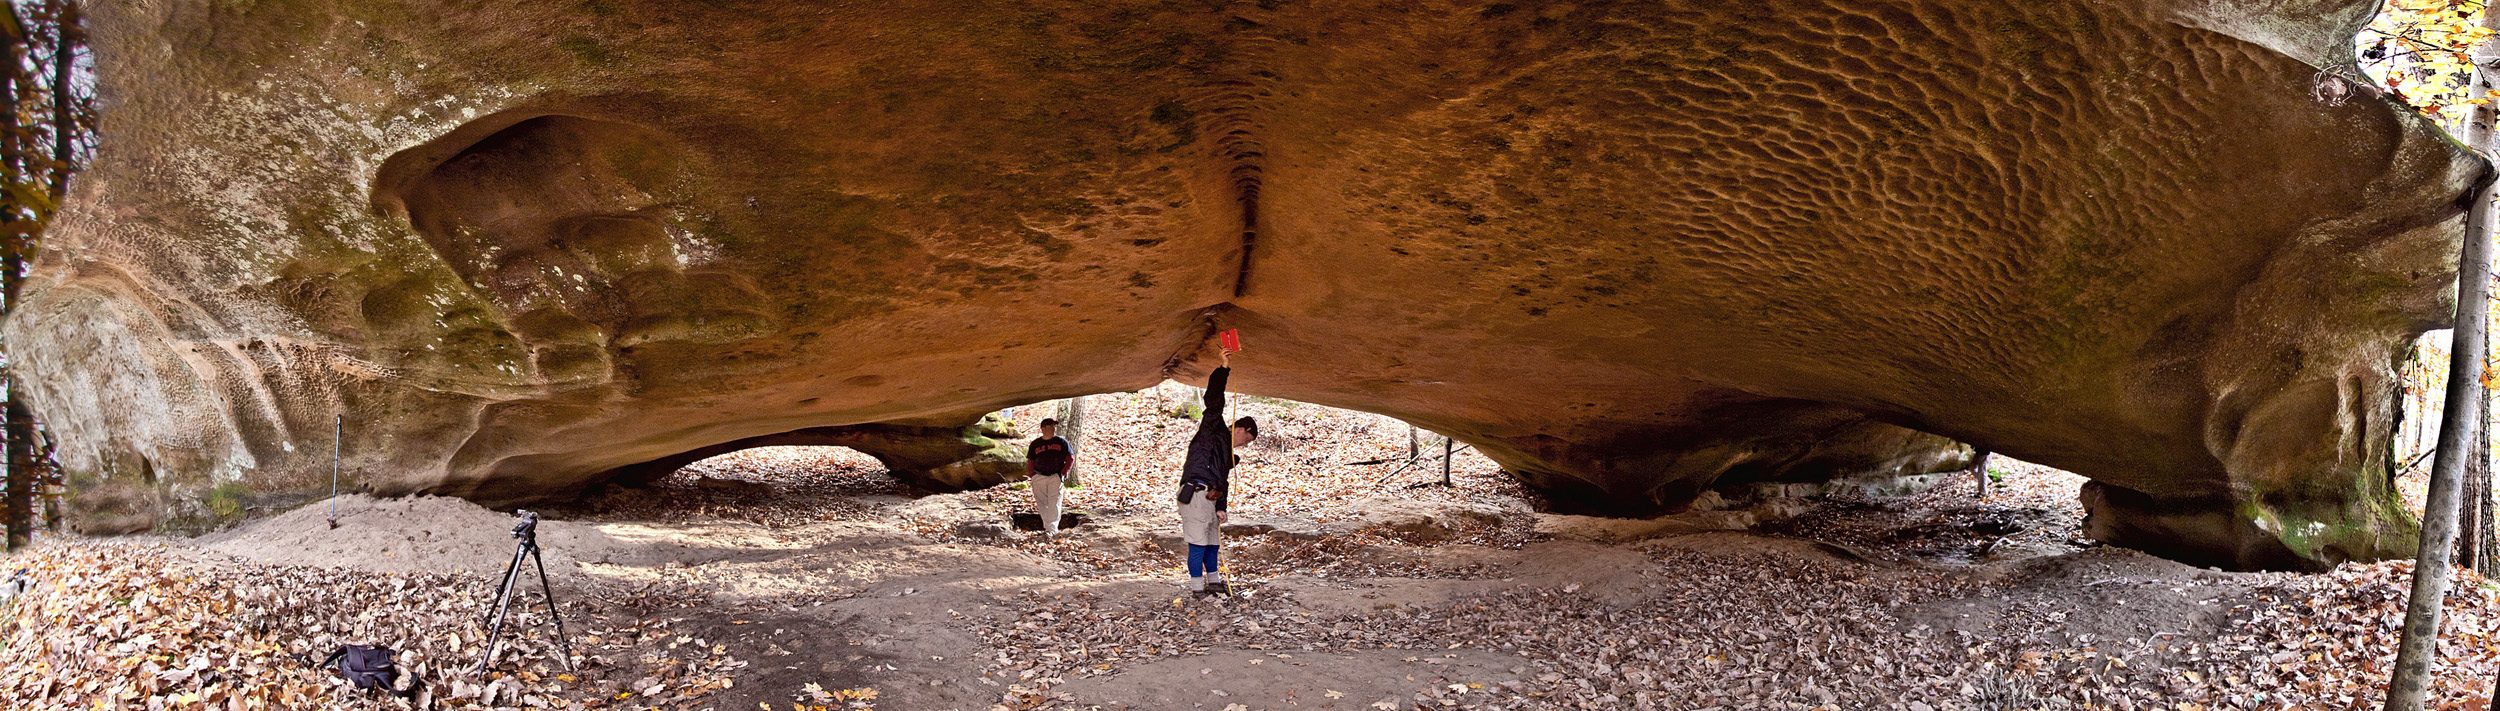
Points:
(1202, 560)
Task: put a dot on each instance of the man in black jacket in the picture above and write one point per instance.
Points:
(1206, 481)
(1046, 464)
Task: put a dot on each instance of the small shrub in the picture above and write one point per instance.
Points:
(227, 499)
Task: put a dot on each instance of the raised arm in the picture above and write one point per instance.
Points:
(1215, 395)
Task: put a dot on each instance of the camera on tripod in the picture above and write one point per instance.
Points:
(525, 550)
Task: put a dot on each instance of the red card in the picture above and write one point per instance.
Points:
(1232, 339)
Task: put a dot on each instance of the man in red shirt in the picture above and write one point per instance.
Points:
(1046, 462)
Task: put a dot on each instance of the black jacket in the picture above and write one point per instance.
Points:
(1049, 455)
(1210, 465)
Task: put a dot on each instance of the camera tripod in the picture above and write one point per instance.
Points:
(527, 532)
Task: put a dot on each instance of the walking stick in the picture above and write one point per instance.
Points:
(338, 431)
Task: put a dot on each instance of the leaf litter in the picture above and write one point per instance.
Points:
(1920, 623)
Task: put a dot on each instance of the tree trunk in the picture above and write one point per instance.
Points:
(20, 158)
(21, 459)
(2459, 426)
(51, 485)
(2409, 428)
(16, 430)
(1979, 470)
(2424, 428)
(2478, 548)
(69, 36)
(2469, 516)
(64, 118)
(2473, 517)
(1449, 447)
(1072, 429)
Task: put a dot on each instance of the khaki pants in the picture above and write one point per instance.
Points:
(1046, 500)
(1198, 527)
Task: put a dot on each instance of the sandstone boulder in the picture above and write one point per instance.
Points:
(1599, 529)
(1631, 251)
(1425, 521)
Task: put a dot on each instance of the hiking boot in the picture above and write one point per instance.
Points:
(1216, 589)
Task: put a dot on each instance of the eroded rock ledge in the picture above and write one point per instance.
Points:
(933, 458)
(1630, 251)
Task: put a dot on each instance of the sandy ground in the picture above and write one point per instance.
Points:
(892, 597)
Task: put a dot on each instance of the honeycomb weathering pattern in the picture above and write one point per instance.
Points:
(1631, 251)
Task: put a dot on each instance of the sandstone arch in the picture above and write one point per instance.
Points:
(1628, 250)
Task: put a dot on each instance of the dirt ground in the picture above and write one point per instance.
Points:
(804, 579)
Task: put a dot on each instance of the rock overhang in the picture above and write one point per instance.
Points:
(1631, 251)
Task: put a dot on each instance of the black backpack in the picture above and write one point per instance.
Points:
(370, 667)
